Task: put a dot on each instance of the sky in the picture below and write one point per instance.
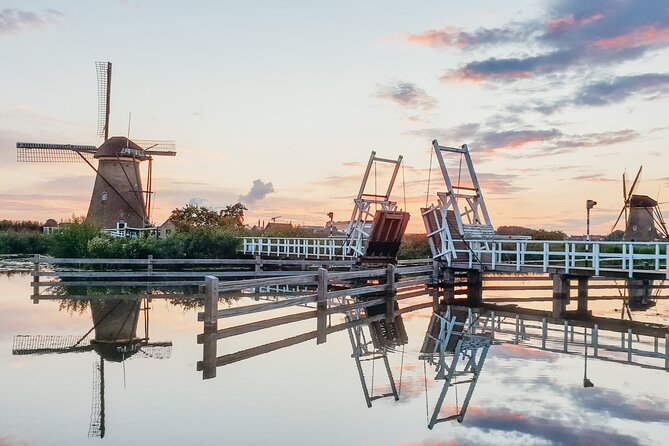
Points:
(279, 104)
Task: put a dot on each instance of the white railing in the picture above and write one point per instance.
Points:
(524, 255)
(129, 232)
(533, 331)
(315, 248)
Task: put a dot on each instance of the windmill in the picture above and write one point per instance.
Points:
(643, 223)
(643, 217)
(118, 200)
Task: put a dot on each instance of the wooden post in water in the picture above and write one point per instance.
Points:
(560, 294)
(210, 327)
(582, 295)
(475, 287)
(448, 278)
(36, 279)
(390, 292)
(322, 306)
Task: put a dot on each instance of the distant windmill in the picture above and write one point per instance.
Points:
(118, 199)
(643, 217)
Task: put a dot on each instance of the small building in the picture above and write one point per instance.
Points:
(338, 227)
(50, 226)
(166, 228)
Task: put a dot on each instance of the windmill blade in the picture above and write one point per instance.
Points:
(104, 71)
(659, 219)
(624, 186)
(624, 209)
(634, 183)
(157, 146)
(45, 344)
(29, 152)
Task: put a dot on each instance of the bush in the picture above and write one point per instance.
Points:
(12, 242)
(209, 244)
(72, 240)
(414, 246)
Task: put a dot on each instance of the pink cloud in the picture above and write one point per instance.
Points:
(569, 22)
(646, 35)
(449, 36)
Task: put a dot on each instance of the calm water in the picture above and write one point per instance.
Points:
(308, 394)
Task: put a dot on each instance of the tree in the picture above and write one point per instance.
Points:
(193, 216)
(235, 212)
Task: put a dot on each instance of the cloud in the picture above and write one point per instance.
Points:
(489, 141)
(458, 38)
(556, 431)
(620, 88)
(258, 191)
(587, 35)
(408, 96)
(649, 409)
(197, 201)
(14, 21)
(606, 92)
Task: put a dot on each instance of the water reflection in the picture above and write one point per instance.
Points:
(527, 391)
(115, 339)
(456, 344)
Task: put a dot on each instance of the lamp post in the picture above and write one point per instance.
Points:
(588, 205)
(331, 215)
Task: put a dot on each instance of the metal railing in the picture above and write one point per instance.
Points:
(315, 248)
(526, 255)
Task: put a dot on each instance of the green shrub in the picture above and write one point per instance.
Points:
(12, 242)
(209, 244)
(414, 246)
(72, 240)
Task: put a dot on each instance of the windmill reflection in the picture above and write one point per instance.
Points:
(114, 339)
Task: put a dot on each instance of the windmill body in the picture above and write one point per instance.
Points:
(117, 200)
(640, 223)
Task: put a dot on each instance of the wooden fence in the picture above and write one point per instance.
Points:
(156, 273)
(395, 283)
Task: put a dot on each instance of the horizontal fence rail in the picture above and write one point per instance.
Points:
(602, 258)
(160, 273)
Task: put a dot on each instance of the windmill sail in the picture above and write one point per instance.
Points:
(104, 70)
(30, 152)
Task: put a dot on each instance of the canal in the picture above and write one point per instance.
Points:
(152, 394)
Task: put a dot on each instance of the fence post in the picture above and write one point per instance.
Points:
(322, 306)
(544, 333)
(36, 279)
(210, 327)
(595, 340)
(149, 268)
(390, 292)
(258, 265)
(566, 335)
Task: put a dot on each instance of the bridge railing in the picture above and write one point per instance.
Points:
(316, 248)
(630, 257)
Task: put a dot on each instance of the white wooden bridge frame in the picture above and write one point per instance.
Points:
(330, 248)
(539, 256)
(359, 225)
(478, 221)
